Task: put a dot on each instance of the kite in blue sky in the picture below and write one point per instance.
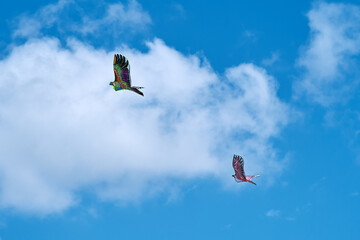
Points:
(122, 75)
(238, 165)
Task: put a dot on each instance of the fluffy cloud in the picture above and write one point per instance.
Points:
(64, 129)
(117, 18)
(328, 59)
(131, 17)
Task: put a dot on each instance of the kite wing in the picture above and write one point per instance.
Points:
(238, 165)
(122, 71)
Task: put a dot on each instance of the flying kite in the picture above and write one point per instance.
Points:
(122, 75)
(238, 165)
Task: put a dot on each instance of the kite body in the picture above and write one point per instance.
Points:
(238, 165)
(122, 75)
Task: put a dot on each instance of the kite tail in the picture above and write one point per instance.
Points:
(251, 182)
(250, 177)
(138, 87)
(134, 89)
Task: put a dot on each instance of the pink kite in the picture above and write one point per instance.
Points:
(238, 165)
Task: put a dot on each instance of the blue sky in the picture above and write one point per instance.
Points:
(276, 82)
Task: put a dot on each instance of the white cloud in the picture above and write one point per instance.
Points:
(132, 17)
(328, 59)
(273, 213)
(270, 61)
(65, 14)
(63, 128)
(31, 26)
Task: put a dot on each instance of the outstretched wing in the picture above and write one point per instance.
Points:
(238, 165)
(122, 71)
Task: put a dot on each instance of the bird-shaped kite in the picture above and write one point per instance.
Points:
(122, 75)
(238, 165)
